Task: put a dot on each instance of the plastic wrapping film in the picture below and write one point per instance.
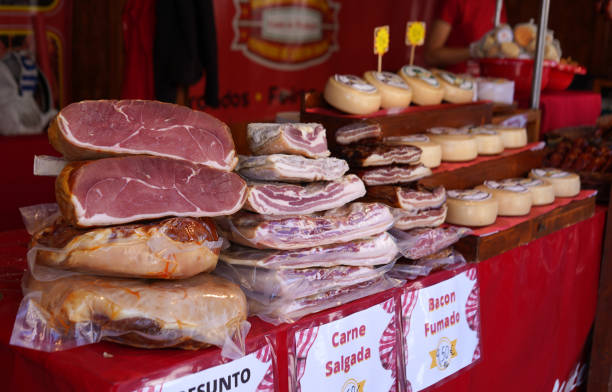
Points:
(407, 269)
(78, 310)
(290, 310)
(267, 286)
(418, 243)
(317, 355)
(172, 248)
(342, 224)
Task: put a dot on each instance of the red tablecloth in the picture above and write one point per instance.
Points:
(562, 109)
(537, 307)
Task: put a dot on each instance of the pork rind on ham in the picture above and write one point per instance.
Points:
(343, 224)
(266, 285)
(376, 250)
(418, 243)
(174, 248)
(126, 189)
(388, 175)
(306, 139)
(408, 199)
(371, 154)
(290, 168)
(286, 199)
(355, 132)
(98, 129)
(74, 311)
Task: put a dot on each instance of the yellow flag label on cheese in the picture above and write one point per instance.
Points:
(415, 33)
(381, 40)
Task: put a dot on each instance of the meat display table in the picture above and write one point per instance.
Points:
(537, 307)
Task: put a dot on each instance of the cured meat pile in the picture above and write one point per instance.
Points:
(376, 162)
(129, 252)
(300, 237)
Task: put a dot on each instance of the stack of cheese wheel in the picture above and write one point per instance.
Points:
(431, 155)
(457, 144)
(489, 141)
(426, 89)
(456, 89)
(542, 192)
(351, 94)
(513, 200)
(394, 92)
(471, 207)
(564, 183)
(512, 137)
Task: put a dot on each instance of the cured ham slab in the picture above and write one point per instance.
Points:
(290, 168)
(406, 198)
(121, 190)
(265, 284)
(406, 220)
(174, 248)
(352, 221)
(364, 155)
(284, 199)
(418, 243)
(307, 139)
(375, 250)
(97, 129)
(355, 132)
(387, 175)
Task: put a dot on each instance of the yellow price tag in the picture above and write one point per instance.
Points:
(381, 40)
(415, 33)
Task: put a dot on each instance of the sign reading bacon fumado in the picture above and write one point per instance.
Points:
(441, 329)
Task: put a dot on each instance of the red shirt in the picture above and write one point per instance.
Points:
(469, 20)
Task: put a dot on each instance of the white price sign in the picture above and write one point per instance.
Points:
(354, 354)
(441, 325)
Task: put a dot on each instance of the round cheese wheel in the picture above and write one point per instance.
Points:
(426, 89)
(511, 136)
(489, 142)
(457, 145)
(394, 92)
(514, 200)
(470, 208)
(351, 94)
(456, 88)
(564, 183)
(431, 155)
(542, 192)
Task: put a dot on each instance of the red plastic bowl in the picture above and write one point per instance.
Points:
(561, 76)
(519, 70)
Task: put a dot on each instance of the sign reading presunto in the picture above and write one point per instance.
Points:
(354, 354)
(441, 329)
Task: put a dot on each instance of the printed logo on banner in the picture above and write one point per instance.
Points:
(354, 354)
(286, 34)
(441, 327)
(252, 372)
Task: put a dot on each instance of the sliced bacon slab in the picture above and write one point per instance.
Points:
(418, 243)
(355, 132)
(121, 190)
(406, 220)
(406, 198)
(290, 168)
(284, 199)
(353, 221)
(364, 155)
(97, 129)
(386, 175)
(174, 248)
(375, 250)
(293, 283)
(306, 139)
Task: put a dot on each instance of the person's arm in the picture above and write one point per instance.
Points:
(438, 55)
